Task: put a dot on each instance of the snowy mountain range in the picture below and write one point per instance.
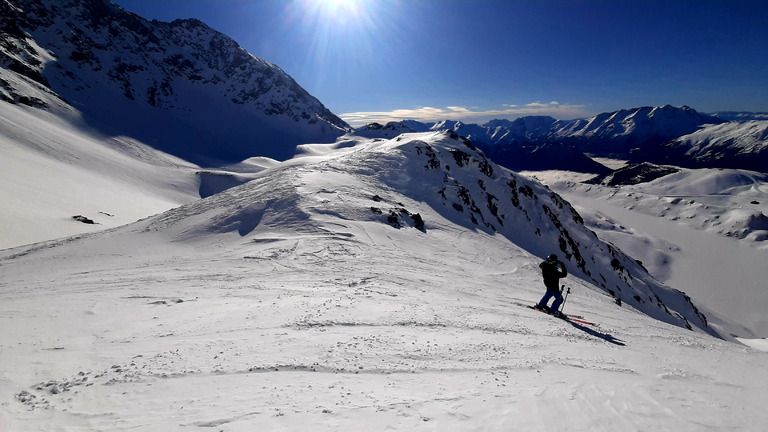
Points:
(171, 85)
(665, 135)
(614, 133)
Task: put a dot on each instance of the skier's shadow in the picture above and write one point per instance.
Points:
(604, 336)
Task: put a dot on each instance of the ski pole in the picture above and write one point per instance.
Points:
(568, 291)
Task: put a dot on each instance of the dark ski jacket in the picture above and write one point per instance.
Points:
(552, 272)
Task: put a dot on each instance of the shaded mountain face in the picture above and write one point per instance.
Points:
(739, 145)
(633, 174)
(389, 130)
(518, 145)
(182, 86)
(542, 157)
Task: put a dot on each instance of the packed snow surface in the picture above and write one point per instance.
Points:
(312, 298)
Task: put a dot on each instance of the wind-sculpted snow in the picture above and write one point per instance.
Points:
(171, 84)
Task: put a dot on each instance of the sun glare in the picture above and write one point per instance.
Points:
(344, 36)
(338, 24)
(344, 12)
(340, 10)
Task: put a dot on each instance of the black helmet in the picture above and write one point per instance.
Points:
(552, 258)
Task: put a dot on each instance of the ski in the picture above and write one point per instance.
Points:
(574, 318)
(582, 321)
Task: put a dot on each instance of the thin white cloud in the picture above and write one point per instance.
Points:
(467, 115)
(543, 105)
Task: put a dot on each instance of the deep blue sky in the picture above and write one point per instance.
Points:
(476, 60)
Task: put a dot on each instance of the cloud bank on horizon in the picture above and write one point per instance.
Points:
(468, 114)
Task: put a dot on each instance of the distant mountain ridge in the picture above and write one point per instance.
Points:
(742, 145)
(615, 132)
(620, 132)
(740, 115)
(647, 134)
(181, 86)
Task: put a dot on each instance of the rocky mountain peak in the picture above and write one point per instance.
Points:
(112, 64)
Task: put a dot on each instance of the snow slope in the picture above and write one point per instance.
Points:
(702, 231)
(447, 173)
(52, 169)
(312, 297)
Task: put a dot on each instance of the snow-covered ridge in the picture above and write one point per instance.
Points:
(633, 174)
(623, 130)
(182, 76)
(426, 183)
(389, 130)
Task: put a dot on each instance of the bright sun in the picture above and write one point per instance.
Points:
(344, 32)
(340, 10)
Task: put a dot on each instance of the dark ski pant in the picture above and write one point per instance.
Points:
(549, 294)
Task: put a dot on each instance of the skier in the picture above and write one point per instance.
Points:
(552, 270)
